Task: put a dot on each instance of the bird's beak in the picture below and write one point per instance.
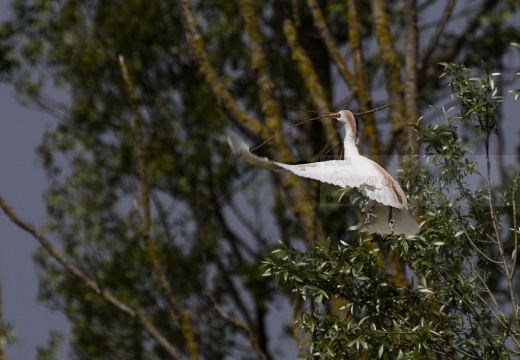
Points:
(335, 116)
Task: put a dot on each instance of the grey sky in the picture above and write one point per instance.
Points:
(22, 183)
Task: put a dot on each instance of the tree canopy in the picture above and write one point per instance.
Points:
(156, 234)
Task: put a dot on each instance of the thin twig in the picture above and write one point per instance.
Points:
(297, 309)
(238, 324)
(371, 111)
(469, 306)
(500, 242)
(289, 128)
(438, 32)
(496, 262)
(515, 230)
(451, 51)
(268, 92)
(316, 118)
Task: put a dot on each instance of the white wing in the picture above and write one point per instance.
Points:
(355, 171)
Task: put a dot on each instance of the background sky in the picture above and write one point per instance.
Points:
(22, 183)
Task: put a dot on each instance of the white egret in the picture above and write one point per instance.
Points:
(354, 171)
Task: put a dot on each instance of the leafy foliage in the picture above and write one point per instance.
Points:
(50, 352)
(451, 306)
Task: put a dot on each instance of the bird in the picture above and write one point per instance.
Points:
(386, 211)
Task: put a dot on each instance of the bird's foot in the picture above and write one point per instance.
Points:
(391, 223)
(369, 215)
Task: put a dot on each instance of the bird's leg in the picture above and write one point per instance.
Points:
(391, 221)
(369, 214)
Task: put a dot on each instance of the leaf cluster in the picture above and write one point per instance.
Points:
(451, 305)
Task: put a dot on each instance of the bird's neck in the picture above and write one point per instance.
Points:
(349, 143)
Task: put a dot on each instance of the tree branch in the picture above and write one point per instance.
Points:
(91, 284)
(181, 318)
(269, 107)
(391, 70)
(195, 42)
(410, 68)
(500, 242)
(302, 206)
(240, 325)
(234, 293)
(361, 88)
(309, 77)
(438, 32)
(330, 43)
(454, 49)
(514, 257)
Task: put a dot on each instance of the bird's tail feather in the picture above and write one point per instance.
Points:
(240, 148)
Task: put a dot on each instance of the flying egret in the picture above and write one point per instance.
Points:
(387, 197)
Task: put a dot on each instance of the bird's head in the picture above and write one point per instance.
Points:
(348, 119)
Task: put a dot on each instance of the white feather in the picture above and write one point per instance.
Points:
(352, 172)
(388, 201)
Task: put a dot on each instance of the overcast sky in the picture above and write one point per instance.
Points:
(22, 182)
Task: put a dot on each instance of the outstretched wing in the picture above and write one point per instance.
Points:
(356, 171)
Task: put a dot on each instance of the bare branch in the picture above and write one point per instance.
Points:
(438, 32)
(456, 46)
(297, 309)
(239, 213)
(162, 215)
(235, 294)
(240, 325)
(372, 111)
(451, 51)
